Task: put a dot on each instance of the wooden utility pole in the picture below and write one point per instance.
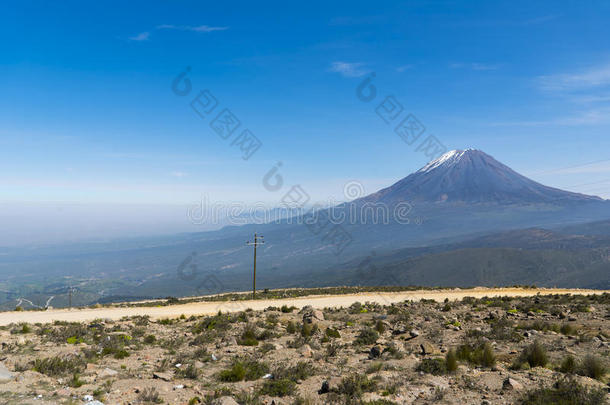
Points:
(258, 240)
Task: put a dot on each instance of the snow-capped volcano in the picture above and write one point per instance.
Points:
(471, 176)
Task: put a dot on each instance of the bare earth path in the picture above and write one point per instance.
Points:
(317, 301)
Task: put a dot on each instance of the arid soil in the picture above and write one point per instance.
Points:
(432, 347)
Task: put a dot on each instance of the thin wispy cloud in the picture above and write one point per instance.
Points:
(197, 28)
(348, 69)
(595, 77)
(179, 174)
(142, 36)
(474, 66)
(402, 68)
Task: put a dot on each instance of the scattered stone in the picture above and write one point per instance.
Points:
(413, 333)
(313, 315)
(225, 401)
(107, 372)
(163, 376)
(306, 351)
(325, 388)
(511, 384)
(399, 328)
(5, 375)
(427, 348)
(375, 352)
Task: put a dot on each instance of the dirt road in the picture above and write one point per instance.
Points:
(317, 301)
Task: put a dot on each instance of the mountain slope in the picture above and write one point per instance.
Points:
(471, 176)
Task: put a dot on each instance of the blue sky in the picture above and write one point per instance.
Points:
(87, 114)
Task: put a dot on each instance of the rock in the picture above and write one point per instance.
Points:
(399, 328)
(563, 315)
(163, 376)
(325, 388)
(375, 352)
(511, 384)
(5, 375)
(427, 348)
(107, 372)
(306, 351)
(225, 401)
(63, 392)
(313, 315)
(413, 333)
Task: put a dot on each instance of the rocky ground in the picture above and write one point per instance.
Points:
(528, 350)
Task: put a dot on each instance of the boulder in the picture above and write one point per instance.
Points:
(5, 375)
(306, 351)
(163, 376)
(375, 352)
(107, 372)
(511, 384)
(225, 401)
(313, 315)
(427, 348)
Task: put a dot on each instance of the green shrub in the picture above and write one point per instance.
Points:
(367, 336)
(237, 372)
(53, 366)
(149, 395)
(150, 339)
(278, 388)
(189, 371)
(567, 329)
(451, 363)
(286, 309)
(332, 333)
(300, 371)
(374, 367)
(592, 367)
(481, 355)
(568, 365)
(535, 355)
(355, 385)
(565, 392)
(247, 369)
(380, 326)
(75, 381)
(432, 366)
(306, 330)
(291, 327)
(248, 336)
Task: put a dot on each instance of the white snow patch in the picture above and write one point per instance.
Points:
(451, 157)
